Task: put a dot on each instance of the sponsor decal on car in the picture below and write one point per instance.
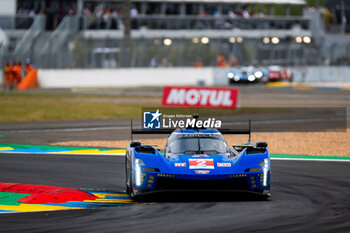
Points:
(200, 97)
(223, 164)
(201, 163)
(180, 164)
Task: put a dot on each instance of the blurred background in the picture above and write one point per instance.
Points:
(59, 34)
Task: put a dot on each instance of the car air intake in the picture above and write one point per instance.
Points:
(183, 184)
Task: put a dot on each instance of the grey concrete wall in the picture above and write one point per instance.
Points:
(314, 74)
(173, 76)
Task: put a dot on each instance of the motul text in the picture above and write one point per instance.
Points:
(200, 96)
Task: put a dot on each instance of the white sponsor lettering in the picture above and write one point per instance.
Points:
(180, 164)
(191, 123)
(224, 164)
(176, 96)
(205, 97)
(215, 98)
(192, 97)
(227, 99)
(181, 124)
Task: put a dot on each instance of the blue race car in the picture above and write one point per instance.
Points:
(247, 74)
(197, 160)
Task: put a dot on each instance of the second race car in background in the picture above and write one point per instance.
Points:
(278, 74)
(247, 74)
(250, 75)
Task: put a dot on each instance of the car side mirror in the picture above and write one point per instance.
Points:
(135, 144)
(262, 145)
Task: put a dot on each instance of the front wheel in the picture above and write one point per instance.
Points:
(128, 180)
(128, 186)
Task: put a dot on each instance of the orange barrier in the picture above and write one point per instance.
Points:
(29, 81)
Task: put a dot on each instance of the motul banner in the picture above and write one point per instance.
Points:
(200, 96)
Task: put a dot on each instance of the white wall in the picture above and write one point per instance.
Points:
(172, 76)
(123, 77)
(7, 7)
(315, 74)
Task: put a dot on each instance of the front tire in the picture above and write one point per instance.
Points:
(128, 188)
(127, 177)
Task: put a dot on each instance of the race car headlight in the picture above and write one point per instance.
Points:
(138, 173)
(236, 78)
(251, 78)
(230, 75)
(258, 74)
(265, 166)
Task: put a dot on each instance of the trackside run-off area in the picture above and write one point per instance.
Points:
(16, 197)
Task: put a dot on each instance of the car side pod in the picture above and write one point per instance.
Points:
(259, 148)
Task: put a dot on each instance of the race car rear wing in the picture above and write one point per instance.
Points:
(169, 131)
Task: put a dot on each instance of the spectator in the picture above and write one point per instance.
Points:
(245, 14)
(115, 19)
(232, 60)
(221, 61)
(198, 62)
(153, 63)
(17, 72)
(107, 18)
(253, 14)
(8, 77)
(216, 13)
(231, 14)
(261, 14)
(134, 12)
(164, 62)
(86, 11)
(31, 12)
(28, 66)
(69, 11)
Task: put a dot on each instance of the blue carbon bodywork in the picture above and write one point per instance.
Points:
(159, 173)
(238, 76)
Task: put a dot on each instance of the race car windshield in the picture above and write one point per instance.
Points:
(194, 144)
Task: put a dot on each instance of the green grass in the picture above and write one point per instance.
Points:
(15, 107)
(26, 107)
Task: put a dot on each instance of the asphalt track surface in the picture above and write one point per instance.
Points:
(306, 197)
